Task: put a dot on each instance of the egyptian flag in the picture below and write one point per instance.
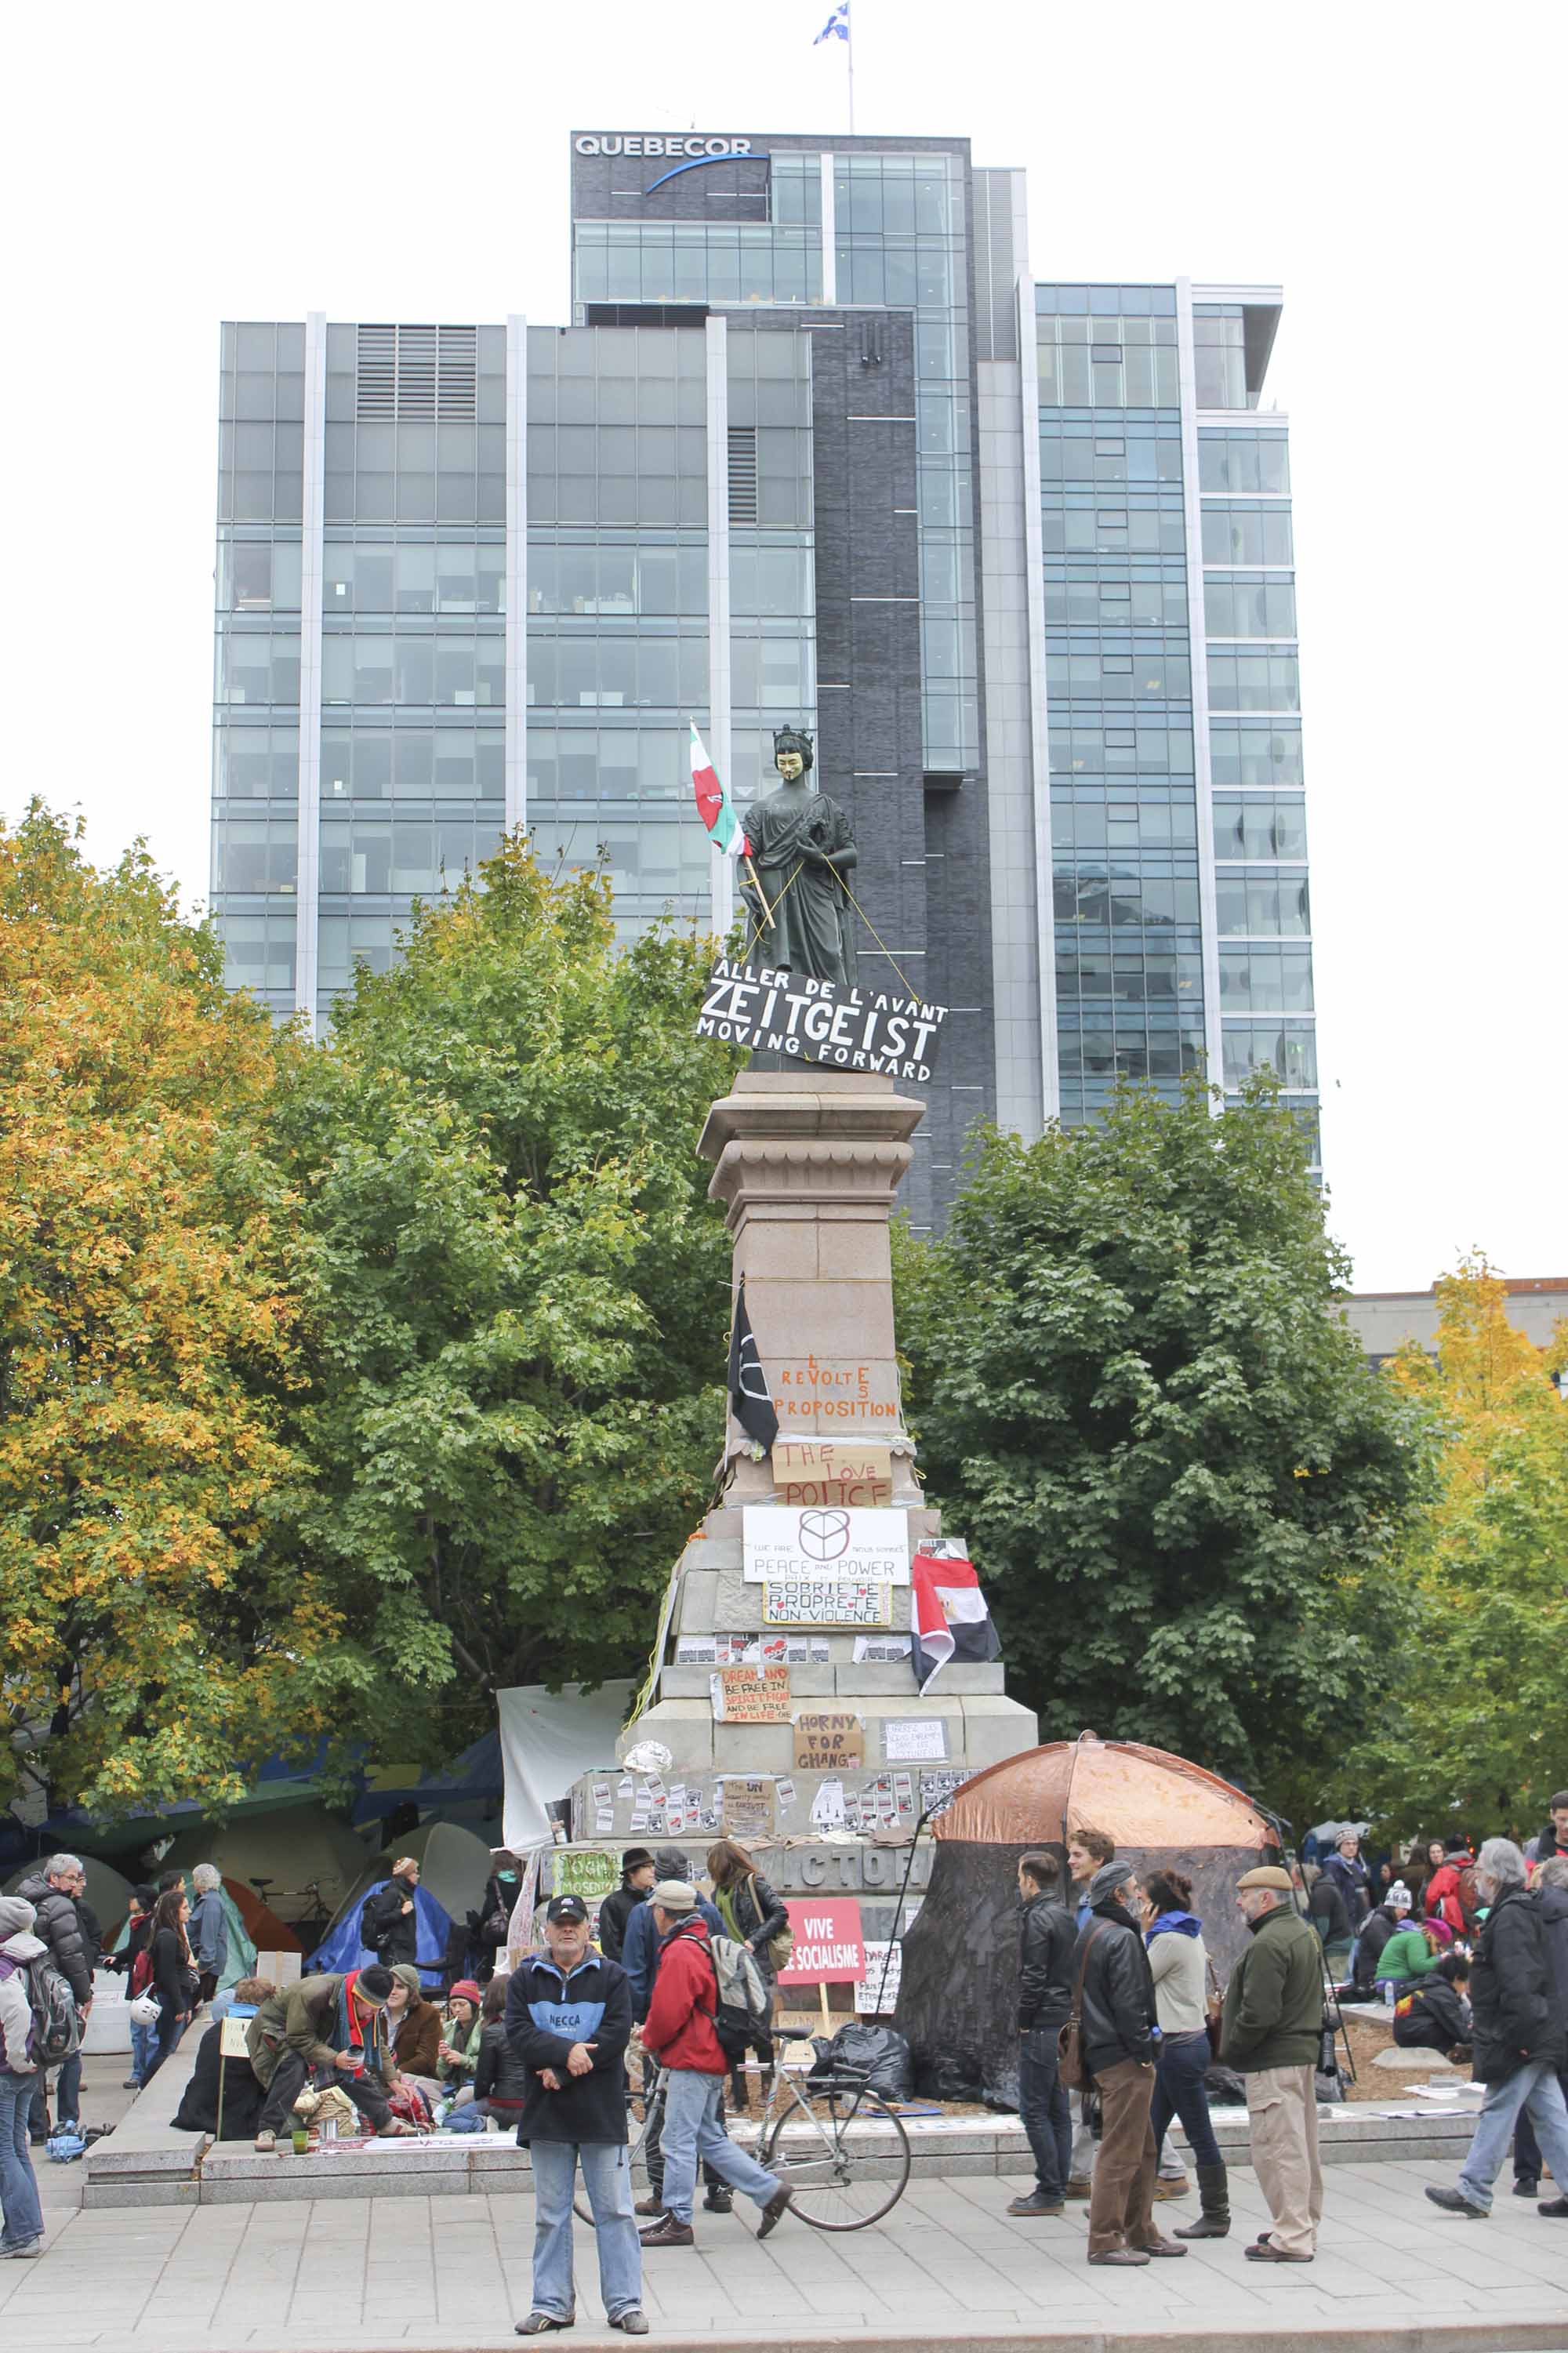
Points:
(948, 1614)
(749, 1400)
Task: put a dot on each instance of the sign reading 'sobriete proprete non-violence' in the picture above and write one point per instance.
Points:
(819, 1021)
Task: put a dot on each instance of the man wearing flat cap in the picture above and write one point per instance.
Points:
(1273, 2017)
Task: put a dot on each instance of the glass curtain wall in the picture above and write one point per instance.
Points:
(772, 599)
(1130, 988)
(413, 630)
(256, 687)
(1263, 916)
(900, 241)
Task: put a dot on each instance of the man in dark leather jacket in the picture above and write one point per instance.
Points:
(1116, 2012)
(1048, 1937)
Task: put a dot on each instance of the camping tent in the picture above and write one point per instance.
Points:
(959, 1994)
(108, 1890)
(453, 1869)
(288, 1851)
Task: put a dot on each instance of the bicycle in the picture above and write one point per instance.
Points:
(846, 2160)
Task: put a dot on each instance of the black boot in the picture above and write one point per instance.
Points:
(1214, 2188)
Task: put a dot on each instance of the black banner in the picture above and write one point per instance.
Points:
(817, 1020)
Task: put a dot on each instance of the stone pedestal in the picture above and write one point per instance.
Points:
(807, 1165)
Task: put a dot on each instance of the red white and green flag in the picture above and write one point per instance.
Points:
(713, 807)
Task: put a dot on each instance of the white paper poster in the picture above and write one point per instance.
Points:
(824, 1547)
(877, 1994)
(827, 1806)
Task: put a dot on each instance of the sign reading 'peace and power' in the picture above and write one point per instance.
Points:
(828, 1545)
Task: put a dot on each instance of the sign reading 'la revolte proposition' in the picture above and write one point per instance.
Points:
(821, 1022)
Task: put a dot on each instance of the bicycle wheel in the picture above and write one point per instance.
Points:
(843, 2154)
(641, 2115)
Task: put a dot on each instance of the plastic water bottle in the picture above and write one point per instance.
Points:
(1388, 1994)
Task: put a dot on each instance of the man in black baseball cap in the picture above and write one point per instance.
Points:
(569, 2020)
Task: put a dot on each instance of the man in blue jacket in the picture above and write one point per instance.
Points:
(639, 1959)
(569, 2020)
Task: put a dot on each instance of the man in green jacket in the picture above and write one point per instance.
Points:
(1273, 2017)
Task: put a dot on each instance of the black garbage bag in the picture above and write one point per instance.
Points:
(876, 2055)
(949, 2072)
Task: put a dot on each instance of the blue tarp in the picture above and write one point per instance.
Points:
(340, 1949)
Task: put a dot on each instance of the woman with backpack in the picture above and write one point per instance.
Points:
(174, 1979)
(21, 2215)
(755, 1916)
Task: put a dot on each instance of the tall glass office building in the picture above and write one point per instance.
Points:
(814, 445)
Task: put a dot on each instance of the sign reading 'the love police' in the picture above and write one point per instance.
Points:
(828, 1545)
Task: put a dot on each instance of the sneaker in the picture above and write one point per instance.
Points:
(539, 2323)
(132, 2084)
(668, 2233)
(1454, 2201)
(265, 2144)
(1075, 2189)
(774, 2212)
(654, 2205)
(1125, 2255)
(23, 2253)
(1525, 2188)
(1035, 2204)
(632, 2322)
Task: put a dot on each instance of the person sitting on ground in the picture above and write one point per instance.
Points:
(21, 2214)
(1393, 1914)
(1435, 2014)
(413, 2034)
(332, 2022)
(458, 2053)
(637, 1875)
(199, 2107)
(1521, 2035)
(500, 2080)
(208, 1929)
(390, 1916)
(1413, 1953)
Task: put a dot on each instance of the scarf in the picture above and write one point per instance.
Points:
(1173, 1924)
(361, 2025)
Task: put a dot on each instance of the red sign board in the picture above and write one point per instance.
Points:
(829, 1948)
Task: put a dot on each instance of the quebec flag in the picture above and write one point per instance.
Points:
(837, 27)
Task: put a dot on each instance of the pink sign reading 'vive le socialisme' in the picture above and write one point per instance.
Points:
(829, 1947)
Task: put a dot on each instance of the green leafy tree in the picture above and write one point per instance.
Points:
(520, 1296)
(156, 1642)
(1474, 1725)
(1179, 1478)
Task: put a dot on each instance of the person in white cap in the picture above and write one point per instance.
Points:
(1268, 2033)
(1393, 1913)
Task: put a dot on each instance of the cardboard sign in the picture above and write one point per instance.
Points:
(821, 1022)
(747, 1808)
(824, 1547)
(873, 1998)
(588, 1871)
(828, 1739)
(829, 1947)
(809, 1474)
(909, 1739)
(851, 1603)
(751, 1694)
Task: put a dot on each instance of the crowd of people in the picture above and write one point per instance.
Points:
(1120, 2016)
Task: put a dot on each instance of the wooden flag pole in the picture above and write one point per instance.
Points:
(827, 2021)
(757, 887)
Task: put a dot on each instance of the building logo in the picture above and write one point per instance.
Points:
(695, 143)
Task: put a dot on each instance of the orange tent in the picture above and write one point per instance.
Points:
(262, 1925)
(958, 1997)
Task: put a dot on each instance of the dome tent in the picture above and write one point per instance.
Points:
(959, 1995)
(453, 1868)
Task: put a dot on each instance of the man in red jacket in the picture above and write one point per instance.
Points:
(680, 2032)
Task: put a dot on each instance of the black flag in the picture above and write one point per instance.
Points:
(749, 1400)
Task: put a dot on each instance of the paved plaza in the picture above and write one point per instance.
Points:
(947, 2267)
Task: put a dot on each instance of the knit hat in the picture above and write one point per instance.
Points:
(1440, 1929)
(671, 1863)
(16, 1916)
(1399, 1896)
(407, 1974)
(466, 1989)
(674, 1895)
(373, 1984)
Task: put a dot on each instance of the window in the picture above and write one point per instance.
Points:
(1259, 826)
(1261, 903)
(1289, 1049)
(1246, 535)
(1244, 461)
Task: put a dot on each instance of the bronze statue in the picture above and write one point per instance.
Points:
(796, 899)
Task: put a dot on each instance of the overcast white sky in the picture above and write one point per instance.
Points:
(1391, 167)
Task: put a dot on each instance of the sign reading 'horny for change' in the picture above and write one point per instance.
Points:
(821, 1022)
(829, 1545)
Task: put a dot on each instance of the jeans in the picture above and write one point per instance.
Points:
(692, 2104)
(67, 2092)
(20, 2211)
(1527, 2166)
(1179, 2073)
(1043, 2106)
(143, 2044)
(608, 2179)
(1534, 2087)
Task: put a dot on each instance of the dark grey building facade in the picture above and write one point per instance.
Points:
(814, 446)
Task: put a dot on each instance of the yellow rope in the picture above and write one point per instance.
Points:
(859, 910)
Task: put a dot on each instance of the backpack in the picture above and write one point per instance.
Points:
(741, 2018)
(55, 2030)
(371, 1929)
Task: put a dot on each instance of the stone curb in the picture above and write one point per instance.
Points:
(1489, 2336)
